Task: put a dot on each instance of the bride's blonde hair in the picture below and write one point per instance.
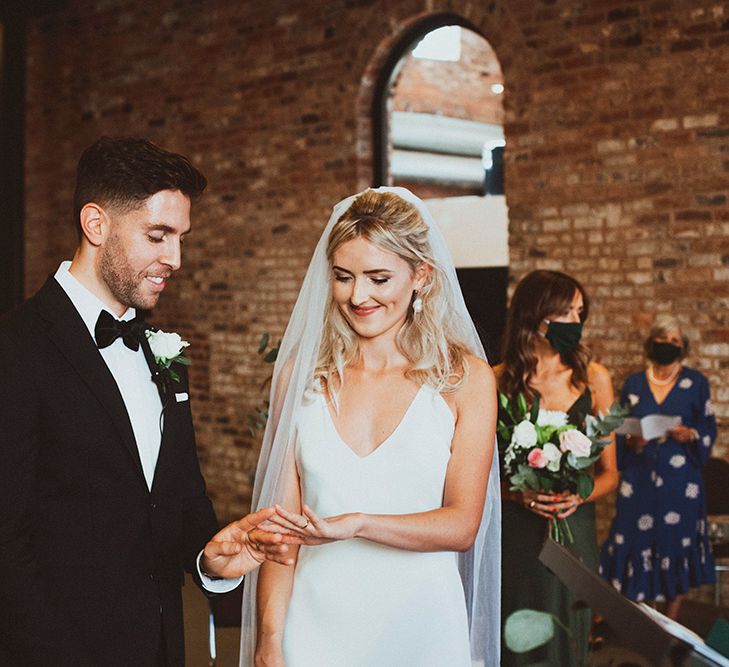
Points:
(396, 226)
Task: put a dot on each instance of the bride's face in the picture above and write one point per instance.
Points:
(373, 287)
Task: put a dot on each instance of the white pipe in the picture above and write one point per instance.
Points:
(443, 134)
(435, 168)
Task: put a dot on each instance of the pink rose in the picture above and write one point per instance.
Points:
(575, 441)
(537, 458)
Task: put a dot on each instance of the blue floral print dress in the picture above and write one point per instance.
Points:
(658, 545)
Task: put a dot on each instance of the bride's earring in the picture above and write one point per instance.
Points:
(417, 304)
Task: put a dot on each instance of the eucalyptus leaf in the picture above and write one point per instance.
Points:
(529, 477)
(264, 343)
(580, 462)
(271, 356)
(590, 426)
(527, 629)
(585, 485)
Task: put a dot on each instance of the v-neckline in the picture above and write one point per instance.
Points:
(385, 441)
(567, 411)
(670, 391)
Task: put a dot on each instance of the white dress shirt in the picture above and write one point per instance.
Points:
(129, 369)
(134, 379)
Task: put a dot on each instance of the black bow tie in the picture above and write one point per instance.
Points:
(108, 329)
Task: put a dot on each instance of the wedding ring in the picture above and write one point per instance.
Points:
(531, 504)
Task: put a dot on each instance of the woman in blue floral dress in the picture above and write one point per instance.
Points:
(658, 546)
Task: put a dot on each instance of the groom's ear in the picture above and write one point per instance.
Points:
(94, 223)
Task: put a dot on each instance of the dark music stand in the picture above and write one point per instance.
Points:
(631, 625)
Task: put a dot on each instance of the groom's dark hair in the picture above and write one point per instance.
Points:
(124, 172)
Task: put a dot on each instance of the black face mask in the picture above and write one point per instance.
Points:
(564, 336)
(664, 353)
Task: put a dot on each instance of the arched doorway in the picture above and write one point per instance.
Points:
(438, 130)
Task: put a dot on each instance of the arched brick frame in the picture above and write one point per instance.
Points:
(493, 22)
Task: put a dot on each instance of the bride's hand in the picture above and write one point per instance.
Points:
(313, 530)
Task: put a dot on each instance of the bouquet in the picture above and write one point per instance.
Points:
(542, 451)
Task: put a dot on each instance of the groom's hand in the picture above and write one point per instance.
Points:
(241, 547)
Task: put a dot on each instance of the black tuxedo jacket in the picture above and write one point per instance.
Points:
(91, 561)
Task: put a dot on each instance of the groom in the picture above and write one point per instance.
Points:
(102, 504)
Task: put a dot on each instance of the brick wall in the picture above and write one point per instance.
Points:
(457, 89)
(616, 164)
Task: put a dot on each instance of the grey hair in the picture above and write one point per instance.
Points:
(662, 324)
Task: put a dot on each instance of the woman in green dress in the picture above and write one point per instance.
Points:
(543, 357)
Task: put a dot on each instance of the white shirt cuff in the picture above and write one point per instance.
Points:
(216, 585)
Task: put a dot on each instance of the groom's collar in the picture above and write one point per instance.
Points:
(84, 300)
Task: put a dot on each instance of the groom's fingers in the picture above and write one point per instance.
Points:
(273, 528)
(256, 518)
(214, 549)
(258, 536)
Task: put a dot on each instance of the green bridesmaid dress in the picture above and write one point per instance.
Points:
(527, 584)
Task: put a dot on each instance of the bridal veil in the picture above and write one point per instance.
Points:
(480, 567)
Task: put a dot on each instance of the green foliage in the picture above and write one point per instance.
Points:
(503, 431)
(166, 366)
(585, 485)
(526, 477)
(535, 410)
(565, 472)
(604, 424)
(579, 462)
(257, 420)
(521, 402)
(506, 406)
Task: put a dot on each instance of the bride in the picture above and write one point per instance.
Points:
(382, 421)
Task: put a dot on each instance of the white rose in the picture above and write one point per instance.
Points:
(551, 418)
(165, 345)
(554, 456)
(525, 435)
(575, 441)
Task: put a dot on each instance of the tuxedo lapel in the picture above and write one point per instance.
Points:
(69, 334)
(171, 433)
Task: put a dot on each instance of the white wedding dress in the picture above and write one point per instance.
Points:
(359, 604)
